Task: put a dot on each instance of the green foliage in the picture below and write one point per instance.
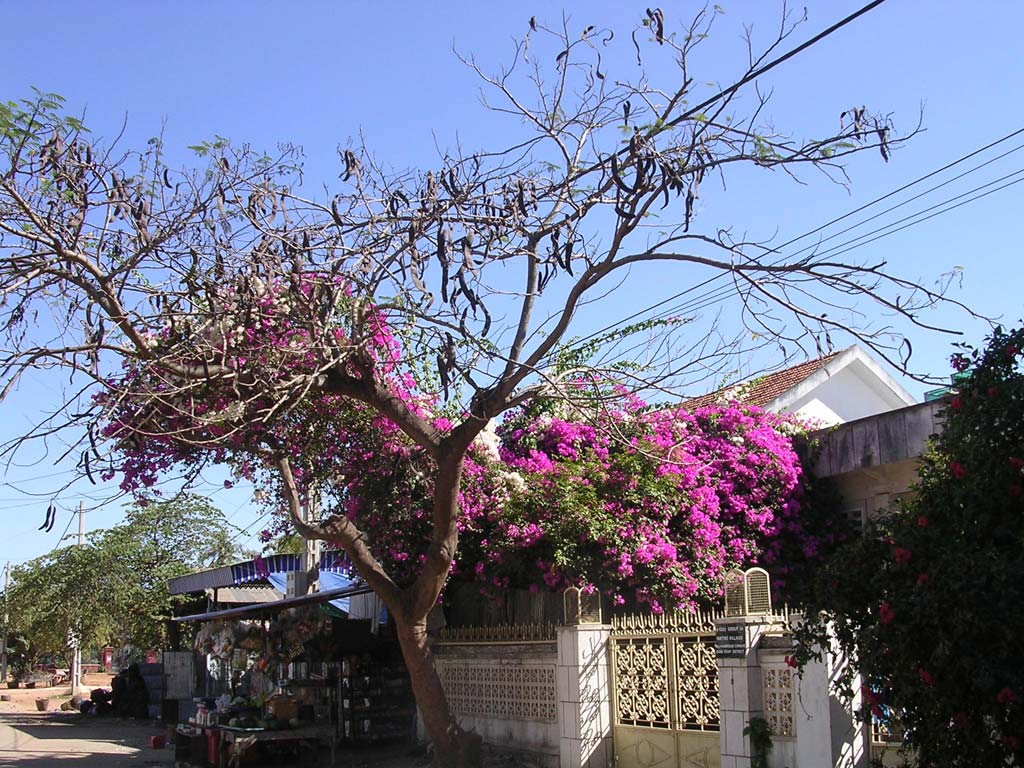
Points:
(21, 658)
(929, 604)
(760, 734)
(578, 353)
(286, 544)
(114, 588)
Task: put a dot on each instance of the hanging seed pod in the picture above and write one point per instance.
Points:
(467, 251)
(617, 176)
(334, 213)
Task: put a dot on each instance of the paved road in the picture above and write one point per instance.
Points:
(64, 739)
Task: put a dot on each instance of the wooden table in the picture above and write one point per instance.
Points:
(245, 739)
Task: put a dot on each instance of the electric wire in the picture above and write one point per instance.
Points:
(938, 213)
(713, 297)
(909, 200)
(254, 523)
(700, 301)
(776, 62)
(66, 529)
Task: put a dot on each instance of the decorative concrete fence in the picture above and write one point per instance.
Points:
(502, 683)
(539, 691)
(810, 725)
(661, 691)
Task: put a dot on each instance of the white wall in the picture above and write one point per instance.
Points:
(869, 492)
(849, 394)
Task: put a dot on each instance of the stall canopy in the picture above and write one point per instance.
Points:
(337, 587)
(264, 609)
(329, 580)
(252, 571)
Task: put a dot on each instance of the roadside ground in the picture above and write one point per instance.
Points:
(51, 739)
(55, 739)
(24, 699)
(33, 739)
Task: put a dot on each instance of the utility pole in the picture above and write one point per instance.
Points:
(310, 547)
(7, 618)
(76, 659)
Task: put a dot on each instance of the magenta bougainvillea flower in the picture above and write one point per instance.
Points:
(652, 504)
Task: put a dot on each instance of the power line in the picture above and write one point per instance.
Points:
(66, 529)
(751, 76)
(939, 213)
(720, 275)
(712, 297)
(917, 181)
(772, 64)
(237, 509)
(254, 523)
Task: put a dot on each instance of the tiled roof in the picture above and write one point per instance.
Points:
(764, 389)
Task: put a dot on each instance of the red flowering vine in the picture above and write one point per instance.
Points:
(885, 613)
(929, 621)
(901, 555)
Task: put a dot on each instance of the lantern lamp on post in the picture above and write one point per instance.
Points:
(748, 593)
(581, 607)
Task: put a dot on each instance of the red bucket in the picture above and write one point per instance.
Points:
(212, 745)
(158, 742)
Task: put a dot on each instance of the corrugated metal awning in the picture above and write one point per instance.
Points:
(198, 582)
(244, 595)
(277, 605)
(246, 571)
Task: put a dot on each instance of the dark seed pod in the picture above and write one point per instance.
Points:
(487, 321)
(617, 176)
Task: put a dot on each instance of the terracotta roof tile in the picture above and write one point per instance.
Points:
(763, 389)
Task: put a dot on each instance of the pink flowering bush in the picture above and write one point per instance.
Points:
(653, 506)
(243, 410)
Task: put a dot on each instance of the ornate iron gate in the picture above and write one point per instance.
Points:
(665, 690)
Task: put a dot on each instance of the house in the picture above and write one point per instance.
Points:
(843, 386)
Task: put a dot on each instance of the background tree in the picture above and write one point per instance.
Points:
(155, 544)
(929, 604)
(238, 306)
(51, 595)
(113, 590)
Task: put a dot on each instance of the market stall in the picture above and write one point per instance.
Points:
(299, 674)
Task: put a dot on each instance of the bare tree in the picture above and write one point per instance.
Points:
(114, 261)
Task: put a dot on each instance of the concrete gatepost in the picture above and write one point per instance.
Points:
(583, 686)
(739, 679)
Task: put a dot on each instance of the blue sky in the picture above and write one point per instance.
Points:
(317, 73)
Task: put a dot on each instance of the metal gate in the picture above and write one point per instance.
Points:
(665, 690)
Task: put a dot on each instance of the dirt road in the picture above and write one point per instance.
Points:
(50, 739)
(33, 739)
(55, 739)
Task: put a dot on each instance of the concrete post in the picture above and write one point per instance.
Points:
(583, 686)
(739, 679)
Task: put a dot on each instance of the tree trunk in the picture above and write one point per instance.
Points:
(453, 747)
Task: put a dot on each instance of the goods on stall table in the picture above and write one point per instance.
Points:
(376, 701)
